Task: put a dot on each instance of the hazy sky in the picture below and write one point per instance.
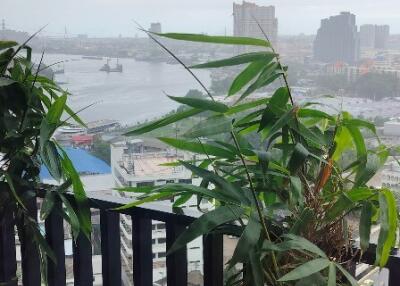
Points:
(113, 17)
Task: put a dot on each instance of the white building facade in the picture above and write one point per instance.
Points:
(136, 164)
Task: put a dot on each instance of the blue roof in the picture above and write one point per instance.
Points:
(83, 161)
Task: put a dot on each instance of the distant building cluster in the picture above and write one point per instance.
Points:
(338, 39)
(374, 36)
(251, 20)
(7, 34)
(155, 28)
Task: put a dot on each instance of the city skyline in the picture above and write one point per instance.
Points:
(111, 18)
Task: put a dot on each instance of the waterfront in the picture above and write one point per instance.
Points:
(136, 94)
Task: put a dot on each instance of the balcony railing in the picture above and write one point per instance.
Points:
(142, 260)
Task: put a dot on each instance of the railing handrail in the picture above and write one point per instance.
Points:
(153, 211)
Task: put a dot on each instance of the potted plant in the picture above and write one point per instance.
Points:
(282, 175)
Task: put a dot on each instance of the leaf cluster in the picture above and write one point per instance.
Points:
(32, 107)
(277, 181)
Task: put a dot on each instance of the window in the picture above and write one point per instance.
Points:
(145, 184)
(161, 254)
(162, 240)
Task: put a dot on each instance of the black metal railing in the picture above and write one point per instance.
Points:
(142, 259)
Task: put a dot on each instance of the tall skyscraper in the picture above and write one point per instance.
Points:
(246, 16)
(367, 36)
(337, 39)
(381, 36)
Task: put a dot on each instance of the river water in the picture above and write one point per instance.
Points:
(134, 95)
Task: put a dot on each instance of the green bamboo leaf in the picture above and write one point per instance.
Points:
(205, 224)
(71, 216)
(279, 100)
(314, 113)
(360, 123)
(229, 40)
(257, 273)
(7, 44)
(249, 73)
(68, 110)
(47, 205)
(348, 276)
(182, 200)
(237, 60)
(246, 106)
(84, 214)
(296, 190)
(247, 241)
(302, 221)
(388, 227)
(298, 242)
(276, 107)
(219, 124)
(358, 140)
(196, 147)
(332, 274)
(368, 170)
(365, 225)
(343, 204)
(4, 81)
(163, 122)
(268, 75)
(306, 269)
(147, 199)
(201, 103)
(56, 110)
(298, 158)
(12, 188)
(225, 186)
(285, 119)
(51, 159)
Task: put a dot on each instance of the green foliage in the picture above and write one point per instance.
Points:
(277, 180)
(32, 107)
(377, 86)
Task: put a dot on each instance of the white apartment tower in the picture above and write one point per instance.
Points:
(247, 16)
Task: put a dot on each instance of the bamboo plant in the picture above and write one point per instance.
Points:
(286, 196)
(32, 107)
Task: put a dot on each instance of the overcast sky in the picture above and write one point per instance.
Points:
(113, 17)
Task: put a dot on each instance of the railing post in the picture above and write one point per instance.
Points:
(177, 261)
(394, 268)
(142, 251)
(213, 255)
(83, 270)
(110, 248)
(8, 262)
(30, 260)
(56, 273)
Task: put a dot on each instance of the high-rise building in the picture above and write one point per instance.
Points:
(337, 39)
(381, 36)
(367, 36)
(247, 16)
(374, 36)
(155, 28)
